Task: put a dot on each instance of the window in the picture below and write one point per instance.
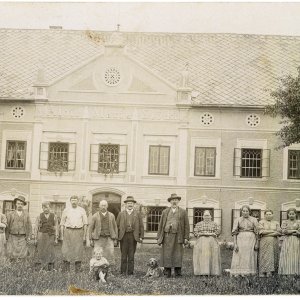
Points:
(57, 208)
(108, 158)
(198, 214)
(8, 206)
(205, 161)
(283, 215)
(57, 157)
(256, 213)
(159, 157)
(294, 164)
(153, 217)
(251, 163)
(15, 155)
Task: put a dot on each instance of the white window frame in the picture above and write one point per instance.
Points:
(286, 161)
(16, 135)
(205, 143)
(253, 144)
(109, 138)
(59, 137)
(160, 140)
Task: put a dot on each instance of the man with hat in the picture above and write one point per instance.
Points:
(130, 232)
(73, 226)
(18, 230)
(173, 232)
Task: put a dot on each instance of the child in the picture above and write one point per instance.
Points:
(99, 265)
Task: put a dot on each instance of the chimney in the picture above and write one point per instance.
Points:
(55, 27)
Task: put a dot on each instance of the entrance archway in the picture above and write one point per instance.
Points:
(113, 200)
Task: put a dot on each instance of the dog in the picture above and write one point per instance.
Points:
(99, 266)
(154, 271)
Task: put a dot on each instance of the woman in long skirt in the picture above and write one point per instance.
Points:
(269, 231)
(206, 253)
(244, 258)
(289, 262)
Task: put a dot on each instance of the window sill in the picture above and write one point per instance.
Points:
(252, 179)
(167, 177)
(15, 170)
(116, 175)
(292, 180)
(57, 174)
(204, 177)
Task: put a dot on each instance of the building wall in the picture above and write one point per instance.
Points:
(140, 112)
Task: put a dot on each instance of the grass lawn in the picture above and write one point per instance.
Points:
(21, 279)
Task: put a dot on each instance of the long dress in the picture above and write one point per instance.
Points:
(206, 253)
(289, 262)
(268, 247)
(244, 262)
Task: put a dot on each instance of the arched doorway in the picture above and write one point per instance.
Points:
(113, 199)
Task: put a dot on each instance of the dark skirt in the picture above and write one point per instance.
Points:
(171, 252)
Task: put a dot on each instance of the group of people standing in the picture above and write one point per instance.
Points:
(255, 246)
(255, 243)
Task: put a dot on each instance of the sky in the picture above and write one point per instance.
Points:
(203, 17)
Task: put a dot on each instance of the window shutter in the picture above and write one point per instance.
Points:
(266, 163)
(44, 147)
(94, 157)
(123, 158)
(218, 217)
(72, 157)
(237, 162)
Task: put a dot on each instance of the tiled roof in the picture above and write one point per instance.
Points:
(226, 69)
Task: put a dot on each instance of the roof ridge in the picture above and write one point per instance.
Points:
(149, 33)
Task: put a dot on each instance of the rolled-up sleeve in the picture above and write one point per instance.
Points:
(63, 218)
(84, 217)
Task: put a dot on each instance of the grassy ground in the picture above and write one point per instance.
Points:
(21, 279)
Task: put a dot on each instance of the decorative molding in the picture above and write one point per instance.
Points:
(253, 120)
(106, 112)
(18, 112)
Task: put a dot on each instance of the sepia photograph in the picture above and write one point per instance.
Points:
(149, 148)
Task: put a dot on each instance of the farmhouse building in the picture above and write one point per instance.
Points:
(112, 114)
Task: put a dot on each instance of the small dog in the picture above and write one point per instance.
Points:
(154, 270)
(99, 266)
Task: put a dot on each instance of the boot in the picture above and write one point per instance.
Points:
(167, 272)
(77, 266)
(66, 267)
(178, 272)
(37, 266)
(50, 266)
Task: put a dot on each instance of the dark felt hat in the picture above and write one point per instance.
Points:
(174, 196)
(129, 199)
(20, 198)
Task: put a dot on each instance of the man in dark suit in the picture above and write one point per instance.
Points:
(130, 232)
(173, 232)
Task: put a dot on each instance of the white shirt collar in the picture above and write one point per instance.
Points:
(104, 214)
(173, 209)
(129, 211)
(19, 212)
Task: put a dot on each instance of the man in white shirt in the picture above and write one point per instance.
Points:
(73, 231)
